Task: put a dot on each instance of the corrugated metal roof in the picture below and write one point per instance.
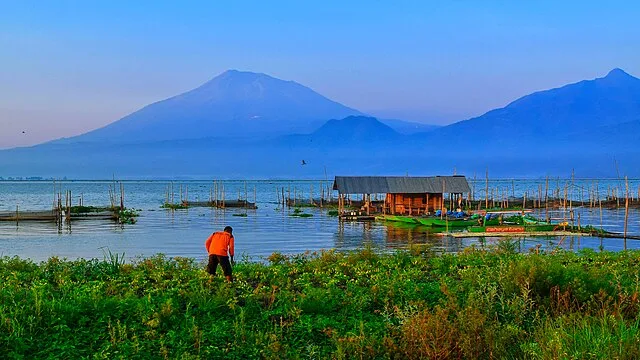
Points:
(400, 184)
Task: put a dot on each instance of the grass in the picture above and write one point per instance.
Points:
(479, 304)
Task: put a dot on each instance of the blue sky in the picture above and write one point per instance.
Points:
(71, 66)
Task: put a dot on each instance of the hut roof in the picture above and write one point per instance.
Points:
(400, 184)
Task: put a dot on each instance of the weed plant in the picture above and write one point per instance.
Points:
(412, 304)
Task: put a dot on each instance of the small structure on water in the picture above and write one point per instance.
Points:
(403, 195)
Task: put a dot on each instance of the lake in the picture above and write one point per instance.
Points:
(268, 229)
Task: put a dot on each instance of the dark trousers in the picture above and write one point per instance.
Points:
(214, 260)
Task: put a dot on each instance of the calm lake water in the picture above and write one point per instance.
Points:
(268, 229)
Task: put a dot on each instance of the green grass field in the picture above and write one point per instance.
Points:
(406, 305)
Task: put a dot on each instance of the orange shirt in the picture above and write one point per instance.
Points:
(218, 243)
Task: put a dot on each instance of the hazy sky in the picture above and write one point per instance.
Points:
(67, 67)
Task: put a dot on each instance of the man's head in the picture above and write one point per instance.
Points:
(228, 229)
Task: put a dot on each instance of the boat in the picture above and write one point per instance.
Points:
(513, 228)
(432, 221)
(399, 218)
(444, 222)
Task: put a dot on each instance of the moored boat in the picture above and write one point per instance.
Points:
(513, 228)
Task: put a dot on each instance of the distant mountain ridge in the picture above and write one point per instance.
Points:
(581, 126)
(234, 103)
(548, 115)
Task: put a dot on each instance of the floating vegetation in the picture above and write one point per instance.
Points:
(174, 206)
(333, 213)
(240, 215)
(128, 216)
(298, 213)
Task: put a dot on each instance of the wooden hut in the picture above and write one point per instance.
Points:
(403, 195)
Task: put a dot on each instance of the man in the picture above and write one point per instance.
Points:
(217, 245)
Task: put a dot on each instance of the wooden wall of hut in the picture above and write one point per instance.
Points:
(413, 204)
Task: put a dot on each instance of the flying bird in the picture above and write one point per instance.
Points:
(304, 162)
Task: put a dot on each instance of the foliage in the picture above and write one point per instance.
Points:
(412, 304)
(127, 216)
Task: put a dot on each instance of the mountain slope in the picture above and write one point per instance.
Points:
(234, 103)
(546, 116)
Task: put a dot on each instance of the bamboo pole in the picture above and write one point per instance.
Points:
(626, 210)
(546, 199)
(571, 193)
(442, 210)
(486, 202)
(600, 204)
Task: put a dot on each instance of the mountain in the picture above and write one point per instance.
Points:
(355, 129)
(234, 103)
(547, 116)
(408, 127)
(582, 126)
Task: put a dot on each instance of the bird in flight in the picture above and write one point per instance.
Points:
(24, 132)
(304, 162)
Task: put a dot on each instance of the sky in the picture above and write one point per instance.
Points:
(67, 67)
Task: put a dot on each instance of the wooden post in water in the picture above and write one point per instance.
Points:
(442, 210)
(546, 199)
(626, 210)
(579, 227)
(486, 191)
(506, 197)
(571, 193)
(564, 209)
(600, 203)
(69, 206)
